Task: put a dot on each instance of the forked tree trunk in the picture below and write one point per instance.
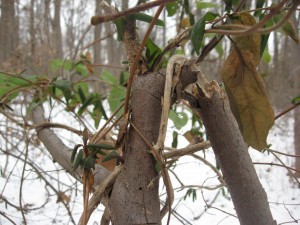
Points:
(248, 196)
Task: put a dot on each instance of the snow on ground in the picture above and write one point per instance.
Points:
(283, 194)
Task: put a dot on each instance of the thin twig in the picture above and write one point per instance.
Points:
(95, 20)
(287, 110)
(187, 150)
(290, 172)
(99, 192)
(138, 55)
(94, 139)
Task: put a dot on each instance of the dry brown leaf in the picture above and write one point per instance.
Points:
(62, 197)
(246, 91)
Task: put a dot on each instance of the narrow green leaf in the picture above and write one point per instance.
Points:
(296, 100)
(81, 95)
(78, 160)
(198, 30)
(158, 166)
(86, 103)
(172, 8)
(101, 146)
(74, 152)
(65, 87)
(120, 24)
(206, 5)
(88, 162)
(259, 4)
(146, 18)
(288, 27)
(175, 139)
(99, 106)
(110, 156)
(152, 52)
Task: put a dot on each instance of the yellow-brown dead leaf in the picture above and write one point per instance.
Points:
(246, 91)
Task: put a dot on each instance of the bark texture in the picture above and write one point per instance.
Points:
(134, 198)
(249, 198)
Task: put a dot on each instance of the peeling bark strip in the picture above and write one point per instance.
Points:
(249, 198)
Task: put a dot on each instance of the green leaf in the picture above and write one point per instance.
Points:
(266, 57)
(88, 162)
(296, 100)
(179, 119)
(65, 87)
(86, 103)
(191, 192)
(74, 152)
(259, 4)
(206, 5)
(81, 95)
(146, 18)
(175, 139)
(99, 106)
(120, 24)
(115, 98)
(78, 160)
(172, 8)
(219, 49)
(110, 156)
(59, 63)
(152, 52)
(81, 69)
(109, 77)
(198, 30)
(158, 166)
(101, 146)
(288, 27)
(123, 77)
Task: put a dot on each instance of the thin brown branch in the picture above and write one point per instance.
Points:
(9, 219)
(138, 55)
(95, 20)
(95, 137)
(256, 28)
(100, 191)
(290, 172)
(174, 153)
(276, 164)
(287, 110)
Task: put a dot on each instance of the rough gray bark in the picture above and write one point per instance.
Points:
(59, 151)
(56, 31)
(8, 30)
(134, 198)
(248, 196)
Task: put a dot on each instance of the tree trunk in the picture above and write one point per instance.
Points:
(56, 31)
(134, 198)
(249, 198)
(8, 35)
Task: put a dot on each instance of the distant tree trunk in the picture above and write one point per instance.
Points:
(56, 31)
(32, 31)
(295, 87)
(97, 35)
(8, 30)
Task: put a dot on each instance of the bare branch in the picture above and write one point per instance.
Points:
(95, 20)
(187, 150)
